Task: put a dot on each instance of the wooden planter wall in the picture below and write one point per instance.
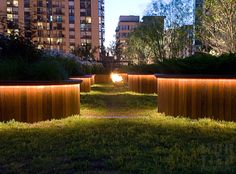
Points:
(142, 83)
(37, 102)
(124, 77)
(103, 78)
(197, 98)
(93, 79)
(85, 86)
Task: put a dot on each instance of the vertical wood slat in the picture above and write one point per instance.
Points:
(103, 78)
(34, 103)
(92, 79)
(87, 81)
(197, 98)
(142, 83)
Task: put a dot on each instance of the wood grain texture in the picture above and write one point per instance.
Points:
(124, 77)
(93, 79)
(85, 86)
(142, 83)
(197, 98)
(103, 78)
(37, 103)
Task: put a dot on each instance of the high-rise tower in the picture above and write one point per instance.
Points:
(56, 24)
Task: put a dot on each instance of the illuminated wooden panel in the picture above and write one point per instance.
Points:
(85, 86)
(197, 97)
(124, 77)
(92, 79)
(102, 78)
(33, 102)
(142, 83)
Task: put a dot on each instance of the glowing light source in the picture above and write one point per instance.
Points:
(116, 78)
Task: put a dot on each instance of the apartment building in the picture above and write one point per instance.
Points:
(125, 26)
(56, 24)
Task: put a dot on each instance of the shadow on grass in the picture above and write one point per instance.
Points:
(119, 101)
(117, 97)
(126, 146)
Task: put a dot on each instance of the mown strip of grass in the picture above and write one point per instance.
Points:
(111, 100)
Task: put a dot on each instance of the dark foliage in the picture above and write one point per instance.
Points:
(197, 64)
(200, 64)
(21, 60)
(14, 47)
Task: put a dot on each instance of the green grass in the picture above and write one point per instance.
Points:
(110, 100)
(151, 143)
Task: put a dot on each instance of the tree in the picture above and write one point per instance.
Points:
(178, 35)
(217, 27)
(116, 49)
(155, 40)
(145, 43)
(85, 52)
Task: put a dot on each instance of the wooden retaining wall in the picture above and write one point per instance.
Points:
(85, 86)
(93, 79)
(197, 97)
(33, 102)
(142, 83)
(103, 78)
(124, 77)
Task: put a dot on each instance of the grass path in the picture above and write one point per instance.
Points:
(109, 100)
(151, 143)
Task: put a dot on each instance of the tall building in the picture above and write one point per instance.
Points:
(56, 24)
(125, 26)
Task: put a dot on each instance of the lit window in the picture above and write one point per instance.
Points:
(15, 2)
(50, 40)
(88, 20)
(9, 17)
(9, 10)
(40, 25)
(51, 18)
(59, 40)
(9, 31)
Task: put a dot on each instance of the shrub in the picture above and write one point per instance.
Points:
(200, 64)
(14, 47)
(140, 69)
(197, 64)
(47, 70)
(73, 64)
(21, 60)
(12, 69)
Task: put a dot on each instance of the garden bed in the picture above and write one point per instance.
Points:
(142, 83)
(197, 96)
(37, 101)
(103, 78)
(87, 81)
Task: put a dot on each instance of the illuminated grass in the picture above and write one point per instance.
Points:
(110, 100)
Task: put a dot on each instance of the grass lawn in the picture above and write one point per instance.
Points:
(110, 100)
(151, 143)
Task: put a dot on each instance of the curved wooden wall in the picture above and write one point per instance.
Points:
(198, 98)
(142, 83)
(85, 86)
(93, 79)
(124, 77)
(103, 78)
(33, 103)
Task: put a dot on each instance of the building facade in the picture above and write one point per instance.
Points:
(56, 24)
(125, 26)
